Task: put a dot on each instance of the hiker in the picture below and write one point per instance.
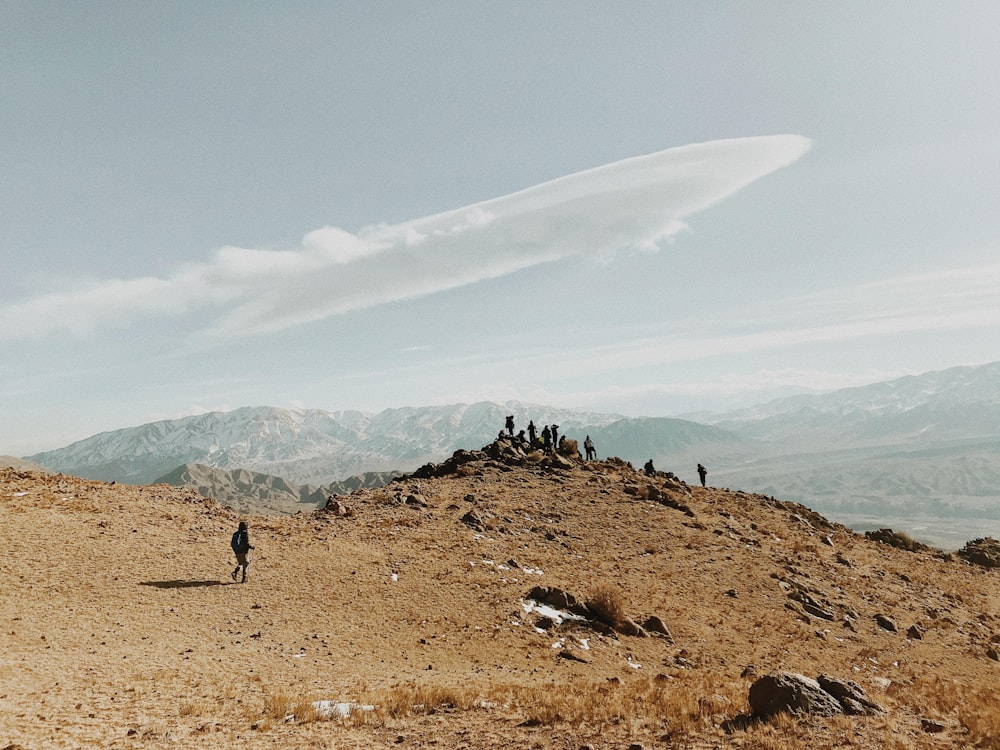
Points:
(588, 445)
(510, 425)
(648, 468)
(241, 546)
(702, 473)
(532, 437)
(546, 436)
(522, 441)
(555, 437)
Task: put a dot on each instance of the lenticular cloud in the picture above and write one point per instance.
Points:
(631, 204)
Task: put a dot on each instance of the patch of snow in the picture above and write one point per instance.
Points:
(556, 615)
(341, 709)
(395, 576)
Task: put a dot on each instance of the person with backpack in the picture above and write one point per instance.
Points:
(241, 546)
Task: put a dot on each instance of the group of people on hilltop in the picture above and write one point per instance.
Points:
(545, 440)
(548, 439)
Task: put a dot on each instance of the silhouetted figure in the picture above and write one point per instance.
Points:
(702, 473)
(561, 446)
(521, 439)
(546, 437)
(532, 437)
(241, 546)
(648, 468)
(555, 435)
(588, 446)
(510, 425)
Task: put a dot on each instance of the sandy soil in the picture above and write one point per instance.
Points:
(121, 627)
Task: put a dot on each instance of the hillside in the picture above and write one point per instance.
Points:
(413, 603)
(261, 494)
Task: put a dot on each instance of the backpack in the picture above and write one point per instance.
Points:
(240, 542)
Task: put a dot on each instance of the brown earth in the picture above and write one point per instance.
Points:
(121, 627)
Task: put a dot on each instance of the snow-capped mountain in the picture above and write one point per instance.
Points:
(302, 446)
(961, 403)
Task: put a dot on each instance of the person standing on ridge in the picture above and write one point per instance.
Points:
(510, 425)
(546, 438)
(555, 437)
(588, 445)
(702, 473)
(241, 546)
(532, 437)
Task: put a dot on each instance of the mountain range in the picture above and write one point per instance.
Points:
(921, 450)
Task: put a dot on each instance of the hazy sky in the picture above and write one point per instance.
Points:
(650, 210)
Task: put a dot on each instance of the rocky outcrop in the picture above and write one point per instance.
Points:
(897, 539)
(790, 692)
(985, 552)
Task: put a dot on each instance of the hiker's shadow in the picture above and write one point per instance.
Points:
(182, 584)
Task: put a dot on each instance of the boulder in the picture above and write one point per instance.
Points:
(850, 695)
(886, 623)
(655, 625)
(792, 693)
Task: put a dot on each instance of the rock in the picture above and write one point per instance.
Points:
(897, 539)
(473, 521)
(823, 614)
(793, 693)
(655, 625)
(336, 507)
(545, 623)
(931, 727)
(627, 626)
(553, 597)
(886, 623)
(850, 695)
(570, 656)
(993, 654)
(915, 632)
(985, 552)
(416, 499)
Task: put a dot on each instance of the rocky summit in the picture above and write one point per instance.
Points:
(503, 598)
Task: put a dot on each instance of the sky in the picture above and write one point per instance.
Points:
(649, 210)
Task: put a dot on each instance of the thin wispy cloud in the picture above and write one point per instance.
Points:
(636, 203)
(958, 299)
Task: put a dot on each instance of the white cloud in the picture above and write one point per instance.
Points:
(636, 203)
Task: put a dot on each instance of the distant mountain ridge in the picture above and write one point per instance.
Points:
(260, 494)
(915, 448)
(318, 447)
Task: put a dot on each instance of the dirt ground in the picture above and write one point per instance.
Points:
(121, 626)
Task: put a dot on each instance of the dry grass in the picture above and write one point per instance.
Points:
(607, 605)
(972, 706)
